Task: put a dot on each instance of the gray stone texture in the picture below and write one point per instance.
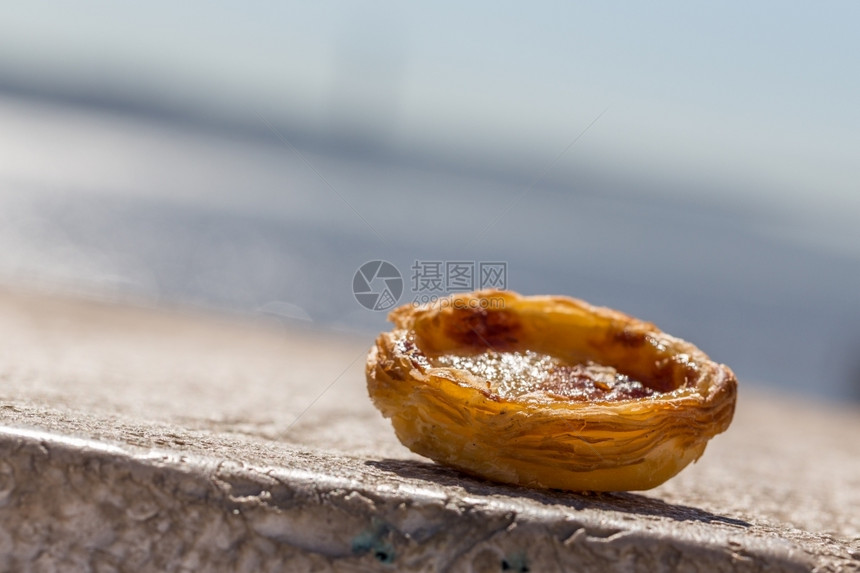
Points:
(140, 439)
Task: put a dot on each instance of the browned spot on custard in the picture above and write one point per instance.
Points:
(593, 382)
(629, 338)
(481, 328)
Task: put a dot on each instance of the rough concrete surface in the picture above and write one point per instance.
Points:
(137, 439)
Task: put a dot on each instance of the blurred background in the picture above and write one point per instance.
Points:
(695, 165)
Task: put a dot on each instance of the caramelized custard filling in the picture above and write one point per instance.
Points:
(519, 374)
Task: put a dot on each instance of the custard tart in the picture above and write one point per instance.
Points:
(547, 391)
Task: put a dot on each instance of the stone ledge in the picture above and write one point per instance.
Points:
(82, 504)
(137, 439)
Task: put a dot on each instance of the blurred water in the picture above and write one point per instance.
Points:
(114, 206)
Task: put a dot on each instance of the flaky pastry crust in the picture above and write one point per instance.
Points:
(543, 441)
